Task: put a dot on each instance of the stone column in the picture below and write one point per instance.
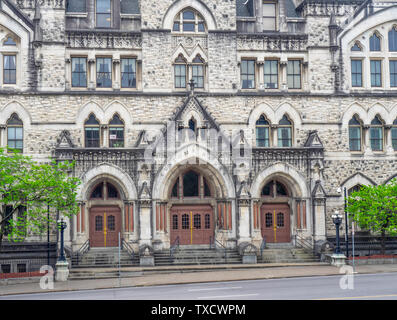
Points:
(319, 219)
(68, 74)
(2, 135)
(283, 72)
(91, 74)
(244, 226)
(388, 142)
(145, 223)
(117, 75)
(366, 140)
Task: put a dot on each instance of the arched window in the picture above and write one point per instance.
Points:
(191, 184)
(394, 134)
(374, 42)
(355, 134)
(189, 20)
(356, 188)
(104, 191)
(376, 134)
(194, 185)
(15, 133)
(393, 39)
(198, 72)
(262, 132)
(180, 72)
(356, 47)
(9, 42)
(116, 132)
(91, 130)
(274, 189)
(284, 132)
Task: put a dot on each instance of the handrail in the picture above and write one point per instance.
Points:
(83, 249)
(263, 245)
(303, 243)
(214, 241)
(128, 247)
(174, 246)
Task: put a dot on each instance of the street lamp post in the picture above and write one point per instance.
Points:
(337, 219)
(346, 221)
(62, 226)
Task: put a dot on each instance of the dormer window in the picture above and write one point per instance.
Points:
(189, 20)
(269, 9)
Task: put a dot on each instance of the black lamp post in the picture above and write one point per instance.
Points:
(62, 226)
(346, 221)
(337, 219)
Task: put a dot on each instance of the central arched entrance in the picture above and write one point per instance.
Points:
(104, 216)
(275, 213)
(192, 210)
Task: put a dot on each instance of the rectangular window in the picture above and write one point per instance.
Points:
(394, 138)
(284, 137)
(262, 136)
(376, 137)
(116, 137)
(180, 76)
(357, 73)
(128, 73)
(376, 73)
(269, 15)
(355, 139)
(79, 72)
(15, 138)
(104, 72)
(10, 69)
(92, 137)
(103, 13)
(248, 74)
(294, 74)
(393, 73)
(198, 75)
(21, 267)
(76, 6)
(271, 74)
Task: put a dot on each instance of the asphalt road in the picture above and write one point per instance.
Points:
(381, 286)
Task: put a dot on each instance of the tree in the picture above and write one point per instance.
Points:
(27, 188)
(375, 208)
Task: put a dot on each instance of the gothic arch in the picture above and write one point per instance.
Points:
(15, 107)
(293, 114)
(353, 109)
(115, 174)
(198, 5)
(379, 109)
(388, 180)
(264, 109)
(117, 107)
(355, 179)
(286, 174)
(88, 108)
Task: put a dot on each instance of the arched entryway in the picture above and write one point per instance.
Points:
(275, 213)
(105, 222)
(192, 213)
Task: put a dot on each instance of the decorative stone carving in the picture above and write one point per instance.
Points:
(91, 39)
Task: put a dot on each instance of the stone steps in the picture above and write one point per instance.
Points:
(104, 258)
(287, 255)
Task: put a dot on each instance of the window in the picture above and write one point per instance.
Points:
(374, 43)
(79, 72)
(376, 134)
(103, 13)
(356, 47)
(191, 184)
(394, 135)
(294, 74)
(269, 15)
(180, 72)
(274, 189)
(76, 6)
(356, 188)
(98, 223)
(271, 74)
(112, 191)
(284, 132)
(9, 69)
(207, 221)
(355, 134)
(185, 221)
(393, 73)
(268, 220)
(6, 268)
(15, 133)
(116, 132)
(248, 74)
(357, 73)
(280, 220)
(97, 193)
(189, 21)
(21, 267)
(175, 222)
(9, 42)
(197, 221)
(92, 138)
(262, 132)
(111, 223)
(376, 73)
(104, 72)
(198, 72)
(393, 39)
(207, 191)
(128, 73)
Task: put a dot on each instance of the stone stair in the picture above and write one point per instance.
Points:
(197, 256)
(287, 255)
(104, 258)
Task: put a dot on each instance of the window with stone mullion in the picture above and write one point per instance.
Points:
(104, 72)
(394, 135)
(9, 69)
(393, 73)
(376, 135)
(128, 73)
(294, 74)
(248, 74)
(79, 72)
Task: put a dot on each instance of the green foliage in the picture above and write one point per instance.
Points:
(27, 184)
(375, 207)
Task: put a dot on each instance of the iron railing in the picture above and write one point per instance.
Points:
(303, 243)
(263, 246)
(214, 242)
(125, 245)
(174, 247)
(83, 249)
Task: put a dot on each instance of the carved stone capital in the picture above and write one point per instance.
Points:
(145, 203)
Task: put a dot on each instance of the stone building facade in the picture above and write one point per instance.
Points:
(290, 100)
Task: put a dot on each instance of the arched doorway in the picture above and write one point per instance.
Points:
(275, 213)
(192, 212)
(105, 216)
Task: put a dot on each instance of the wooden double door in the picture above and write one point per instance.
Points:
(275, 223)
(192, 224)
(105, 225)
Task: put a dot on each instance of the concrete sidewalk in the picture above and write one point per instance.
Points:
(280, 271)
